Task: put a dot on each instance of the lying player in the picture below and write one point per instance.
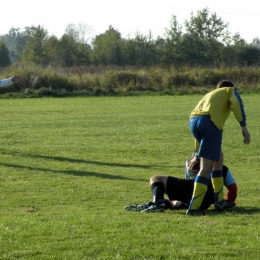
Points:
(180, 191)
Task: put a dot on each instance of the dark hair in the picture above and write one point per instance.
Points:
(225, 83)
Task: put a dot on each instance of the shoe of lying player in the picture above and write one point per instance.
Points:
(195, 212)
(138, 207)
(155, 208)
(224, 204)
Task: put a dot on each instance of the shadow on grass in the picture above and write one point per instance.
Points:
(237, 210)
(246, 210)
(212, 212)
(76, 173)
(72, 160)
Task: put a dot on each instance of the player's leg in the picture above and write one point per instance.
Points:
(217, 179)
(218, 184)
(200, 187)
(158, 185)
(209, 138)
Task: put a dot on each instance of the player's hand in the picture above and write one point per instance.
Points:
(246, 135)
(16, 78)
(192, 162)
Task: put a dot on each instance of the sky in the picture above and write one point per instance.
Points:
(128, 17)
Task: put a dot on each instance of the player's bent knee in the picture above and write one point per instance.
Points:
(158, 178)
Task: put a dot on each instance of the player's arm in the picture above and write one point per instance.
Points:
(237, 106)
(239, 113)
(10, 81)
(6, 82)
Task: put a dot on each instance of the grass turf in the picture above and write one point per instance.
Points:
(69, 166)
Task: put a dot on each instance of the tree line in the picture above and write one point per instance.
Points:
(203, 40)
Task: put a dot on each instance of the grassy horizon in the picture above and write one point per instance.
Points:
(70, 165)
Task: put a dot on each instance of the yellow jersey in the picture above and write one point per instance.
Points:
(218, 104)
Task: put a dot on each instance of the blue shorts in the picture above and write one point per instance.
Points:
(208, 136)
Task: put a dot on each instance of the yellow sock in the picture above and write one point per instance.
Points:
(200, 188)
(217, 183)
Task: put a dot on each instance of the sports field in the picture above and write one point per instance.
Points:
(70, 165)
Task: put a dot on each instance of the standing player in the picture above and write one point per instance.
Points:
(206, 124)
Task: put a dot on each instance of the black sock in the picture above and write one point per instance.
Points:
(158, 192)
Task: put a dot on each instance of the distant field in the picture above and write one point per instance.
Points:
(70, 165)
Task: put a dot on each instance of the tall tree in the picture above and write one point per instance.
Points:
(256, 43)
(206, 25)
(51, 50)
(83, 54)
(4, 55)
(80, 32)
(206, 34)
(15, 41)
(107, 47)
(68, 50)
(34, 51)
(142, 50)
(173, 51)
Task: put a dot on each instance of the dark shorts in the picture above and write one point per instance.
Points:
(208, 136)
(182, 189)
(179, 189)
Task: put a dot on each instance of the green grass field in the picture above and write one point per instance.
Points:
(69, 166)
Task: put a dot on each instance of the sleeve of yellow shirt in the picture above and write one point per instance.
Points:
(237, 106)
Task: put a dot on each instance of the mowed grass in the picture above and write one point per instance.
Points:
(69, 166)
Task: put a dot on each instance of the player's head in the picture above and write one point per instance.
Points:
(225, 83)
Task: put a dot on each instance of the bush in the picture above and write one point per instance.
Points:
(39, 81)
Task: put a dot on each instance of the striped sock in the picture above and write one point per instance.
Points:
(217, 183)
(200, 188)
(158, 190)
